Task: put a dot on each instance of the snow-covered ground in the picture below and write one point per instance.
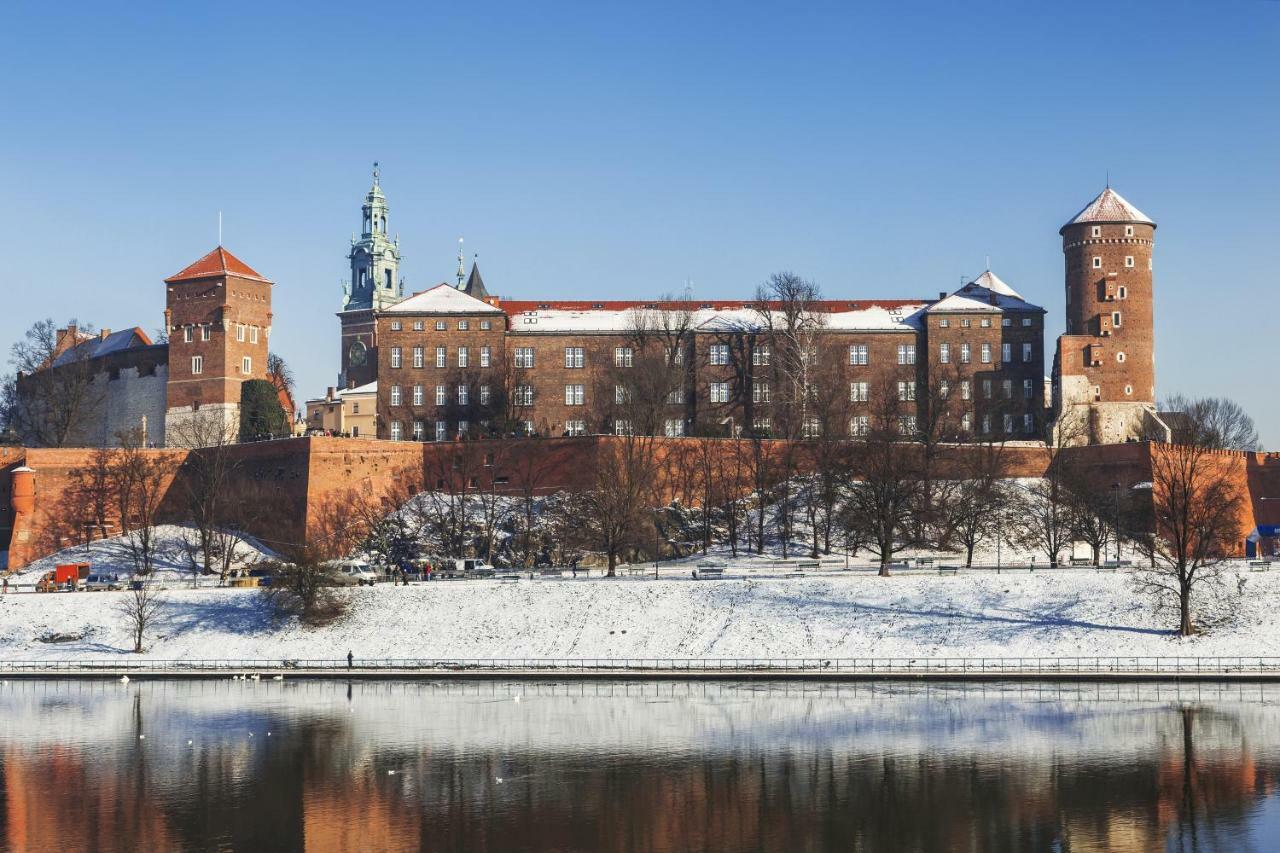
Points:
(835, 614)
(176, 556)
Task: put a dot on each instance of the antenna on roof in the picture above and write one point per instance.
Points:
(462, 274)
(688, 290)
(219, 227)
(988, 263)
(1108, 179)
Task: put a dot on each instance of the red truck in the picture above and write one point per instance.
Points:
(62, 577)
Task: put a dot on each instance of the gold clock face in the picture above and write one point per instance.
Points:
(356, 355)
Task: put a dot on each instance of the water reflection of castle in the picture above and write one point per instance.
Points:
(689, 767)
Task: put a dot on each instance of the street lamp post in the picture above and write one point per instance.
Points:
(1115, 487)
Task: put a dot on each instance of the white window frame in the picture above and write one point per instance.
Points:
(246, 365)
(718, 355)
(396, 357)
(574, 395)
(464, 357)
(197, 365)
(574, 358)
(395, 395)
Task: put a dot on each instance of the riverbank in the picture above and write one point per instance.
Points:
(1044, 614)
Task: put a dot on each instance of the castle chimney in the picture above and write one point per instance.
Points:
(102, 336)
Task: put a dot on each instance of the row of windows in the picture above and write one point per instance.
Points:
(965, 323)
(442, 357)
(1096, 231)
(197, 365)
(1128, 262)
(965, 354)
(443, 325)
(462, 392)
(242, 332)
(718, 392)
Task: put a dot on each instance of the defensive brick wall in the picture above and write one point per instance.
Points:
(295, 491)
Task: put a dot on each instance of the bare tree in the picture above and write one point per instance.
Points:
(303, 588)
(531, 465)
(618, 503)
(140, 479)
(1196, 515)
(1092, 510)
(52, 392)
(1043, 507)
(206, 476)
(974, 507)
(140, 607)
(1211, 422)
(886, 464)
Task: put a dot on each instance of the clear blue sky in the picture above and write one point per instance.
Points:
(883, 150)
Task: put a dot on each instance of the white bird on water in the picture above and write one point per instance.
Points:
(278, 678)
(124, 679)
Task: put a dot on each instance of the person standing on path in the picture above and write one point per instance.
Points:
(351, 659)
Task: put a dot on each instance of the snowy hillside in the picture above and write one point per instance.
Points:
(1057, 613)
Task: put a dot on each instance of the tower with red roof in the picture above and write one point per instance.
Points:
(218, 317)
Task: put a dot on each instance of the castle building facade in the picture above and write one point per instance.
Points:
(181, 392)
(456, 361)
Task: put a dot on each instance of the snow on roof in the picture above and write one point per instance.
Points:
(441, 299)
(989, 293)
(891, 317)
(370, 388)
(1109, 206)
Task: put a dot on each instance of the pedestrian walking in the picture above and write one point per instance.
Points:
(6, 586)
(351, 660)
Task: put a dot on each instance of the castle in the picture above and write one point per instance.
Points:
(184, 391)
(454, 360)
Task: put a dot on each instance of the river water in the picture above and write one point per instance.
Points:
(637, 766)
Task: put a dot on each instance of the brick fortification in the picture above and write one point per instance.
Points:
(1104, 375)
(218, 316)
(297, 484)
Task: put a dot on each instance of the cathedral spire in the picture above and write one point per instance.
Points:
(462, 271)
(374, 258)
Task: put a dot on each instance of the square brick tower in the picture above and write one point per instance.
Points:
(1104, 369)
(218, 316)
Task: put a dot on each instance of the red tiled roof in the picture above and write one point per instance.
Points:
(514, 307)
(217, 263)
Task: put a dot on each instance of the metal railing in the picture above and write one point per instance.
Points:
(982, 666)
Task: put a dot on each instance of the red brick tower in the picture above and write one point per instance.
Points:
(218, 316)
(1104, 370)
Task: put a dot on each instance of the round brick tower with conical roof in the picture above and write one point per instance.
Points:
(1105, 365)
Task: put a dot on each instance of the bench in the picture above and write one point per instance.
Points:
(1081, 561)
(638, 570)
(948, 570)
(922, 562)
(1259, 565)
(508, 577)
(709, 572)
(1106, 567)
(808, 564)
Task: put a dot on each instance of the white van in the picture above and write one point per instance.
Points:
(356, 572)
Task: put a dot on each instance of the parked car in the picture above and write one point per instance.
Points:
(95, 583)
(355, 572)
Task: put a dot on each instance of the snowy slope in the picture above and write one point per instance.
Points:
(1065, 613)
